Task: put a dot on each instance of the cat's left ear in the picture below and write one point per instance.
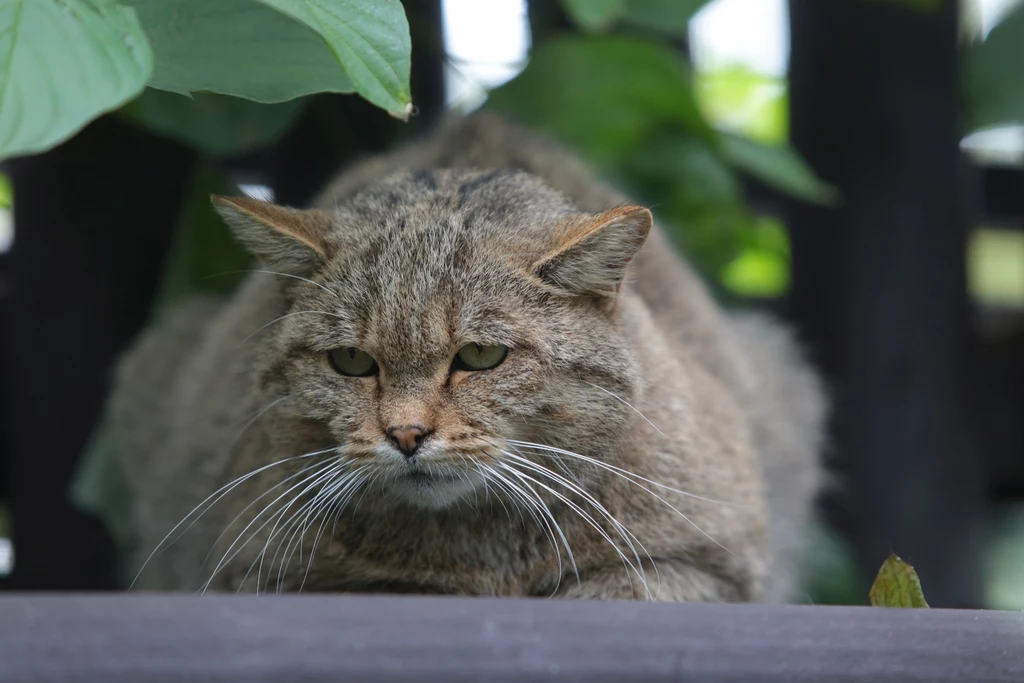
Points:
(593, 251)
(292, 241)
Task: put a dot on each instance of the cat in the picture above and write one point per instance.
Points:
(471, 368)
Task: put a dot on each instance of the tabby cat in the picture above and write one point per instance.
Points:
(471, 368)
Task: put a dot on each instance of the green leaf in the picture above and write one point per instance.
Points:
(897, 585)
(236, 47)
(6, 192)
(603, 95)
(994, 274)
(593, 15)
(666, 16)
(992, 76)
(694, 192)
(778, 166)
(217, 124)
(62, 64)
(740, 100)
(756, 273)
(204, 257)
(98, 486)
(370, 39)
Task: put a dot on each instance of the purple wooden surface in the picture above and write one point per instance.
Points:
(144, 638)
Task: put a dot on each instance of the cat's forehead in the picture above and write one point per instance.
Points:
(431, 257)
(496, 207)
(423, 234)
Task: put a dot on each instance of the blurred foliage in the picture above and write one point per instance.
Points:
(216, 124)
(829, 571)
(629, 106)
(604, 96)
(101, 53)
(995, 267)
(777, 166)
(205, 256)
(897, 585)
(993, 75)
(6, 192)
(761, 268)
(1005, 584)
(667, 16)
(746, 102)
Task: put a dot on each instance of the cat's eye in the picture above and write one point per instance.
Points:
(353, 362)
(480, 357)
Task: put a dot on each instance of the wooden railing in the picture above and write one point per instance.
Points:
(146, 638)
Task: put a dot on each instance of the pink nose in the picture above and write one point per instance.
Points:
(407, 438)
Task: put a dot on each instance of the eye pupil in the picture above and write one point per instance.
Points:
(475, 357)
(352, 362)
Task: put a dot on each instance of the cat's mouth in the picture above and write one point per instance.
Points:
(417, 475)
(432, 485)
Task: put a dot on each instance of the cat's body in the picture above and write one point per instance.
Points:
(645, 375)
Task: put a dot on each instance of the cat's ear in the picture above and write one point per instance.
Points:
(292, 241)
(593, 251)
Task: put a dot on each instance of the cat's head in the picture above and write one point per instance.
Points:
(441, 320)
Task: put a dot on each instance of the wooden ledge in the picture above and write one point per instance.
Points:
(142, 638)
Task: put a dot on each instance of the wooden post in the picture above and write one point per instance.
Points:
(879, 283)
(93, 219)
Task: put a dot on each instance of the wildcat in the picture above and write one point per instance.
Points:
(471, 368)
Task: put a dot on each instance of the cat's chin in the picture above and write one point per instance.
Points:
(433, 493)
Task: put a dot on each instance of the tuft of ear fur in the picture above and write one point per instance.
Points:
(594, 251)
(288, 240)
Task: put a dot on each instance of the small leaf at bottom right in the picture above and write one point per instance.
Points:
(897, 585)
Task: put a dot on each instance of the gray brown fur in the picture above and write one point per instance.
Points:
(462, 237)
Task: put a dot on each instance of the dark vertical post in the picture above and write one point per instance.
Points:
(93, 218)
(879, 282)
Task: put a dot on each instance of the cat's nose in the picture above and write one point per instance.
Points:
(407, 438)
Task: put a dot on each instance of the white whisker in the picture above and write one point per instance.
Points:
(622, 473)
(323, 499)
(535, 504)
(624, 533)
(625, 473)
(283, 317)
(319, 472)
(295, 475)
(322, 484)
(586, 517)
(316, 478)
(294, 277)
(627, 404)
(213, 499)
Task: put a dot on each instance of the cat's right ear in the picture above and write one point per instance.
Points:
(593, 251)
(292, 241)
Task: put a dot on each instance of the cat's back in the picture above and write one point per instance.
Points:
(182, 393)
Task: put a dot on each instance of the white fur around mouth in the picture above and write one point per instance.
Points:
(432, 490)
(421, 476)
